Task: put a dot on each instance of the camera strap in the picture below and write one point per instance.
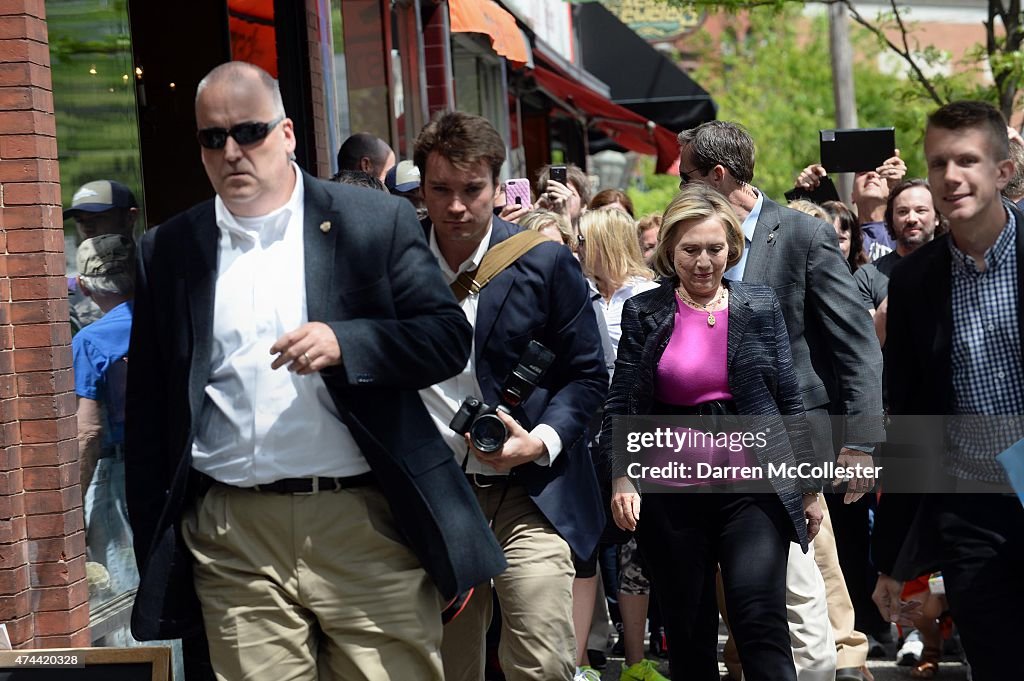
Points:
(494, 262)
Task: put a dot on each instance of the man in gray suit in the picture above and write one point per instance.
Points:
(835, 352)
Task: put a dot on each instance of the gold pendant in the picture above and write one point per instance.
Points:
(711, 319)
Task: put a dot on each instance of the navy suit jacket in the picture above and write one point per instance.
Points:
(762, 379)
(371, 277)
(544, 297)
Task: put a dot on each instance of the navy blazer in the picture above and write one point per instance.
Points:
(371, 277)
(543, 296)
(760, 369)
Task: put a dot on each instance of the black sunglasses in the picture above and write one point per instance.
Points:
(245, 134)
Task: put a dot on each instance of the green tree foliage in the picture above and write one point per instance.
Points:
(776, 80)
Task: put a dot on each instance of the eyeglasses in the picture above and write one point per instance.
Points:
(245, 134)
(684, 176)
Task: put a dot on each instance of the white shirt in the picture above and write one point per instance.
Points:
(443, 399)
(259, 425)
(612, 308)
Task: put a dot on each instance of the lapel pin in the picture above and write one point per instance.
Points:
(771, 237)
(325, 226)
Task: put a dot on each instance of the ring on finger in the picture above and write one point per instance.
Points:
(305, 356)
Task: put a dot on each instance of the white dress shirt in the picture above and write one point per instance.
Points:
(612, 308)
(259, 425)
(443, 399)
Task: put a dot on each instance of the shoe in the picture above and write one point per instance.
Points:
(909, 653)
(928, 667)
(659, 643)
(876, 649)
(851, 674)
(598, 660)
(587, 673)
(644, 670)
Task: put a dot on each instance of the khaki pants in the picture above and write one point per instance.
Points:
(297, 587)
(535, 593)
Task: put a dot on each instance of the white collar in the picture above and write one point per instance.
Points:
(267, 228)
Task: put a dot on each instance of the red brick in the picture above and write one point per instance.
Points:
(14, 580)
(15, 50)
(28, 122)
(8, 384)
(58, 573)
(8, 410)
(13, 530)
(62, 622)
(54, 524)
(10, 459)
(28, 170)
(35, 241)
(33, 264)
(37, 432)
(60, 597)
(25, 73)
(5, 288)
(11, 482)
(41, 335)
(45, 382)
(32, 217)
(42, 359)
(7, 335)
(55, 549)
(17, 604)
(46, 406)
(51, 500)
(32, 193)
(21, 630)
(12, 504)
(7, 363)
(49, 454)
(38, 288)
(50, 477)
(31, 28)
(39, 311)
(11, 433)
(35, 8)
(79, 639)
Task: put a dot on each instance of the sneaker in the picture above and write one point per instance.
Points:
(644, 670)
(909, 653)
(586, 674)
(598, 660)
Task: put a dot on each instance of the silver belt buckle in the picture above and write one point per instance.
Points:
(477, 484)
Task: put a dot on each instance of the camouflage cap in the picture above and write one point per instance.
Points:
(106, 255)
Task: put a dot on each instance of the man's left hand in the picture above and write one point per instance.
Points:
(519, 448)
(856, 487)
(309, 348)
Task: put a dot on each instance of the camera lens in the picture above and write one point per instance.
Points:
(488, 433)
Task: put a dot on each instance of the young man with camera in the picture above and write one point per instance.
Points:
(538, 488)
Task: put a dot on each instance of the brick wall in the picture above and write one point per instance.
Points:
(322, 166)
(43, 592)
(437, 59)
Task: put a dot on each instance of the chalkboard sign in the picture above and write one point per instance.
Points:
(86, 664)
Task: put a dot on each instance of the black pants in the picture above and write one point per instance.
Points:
(683, 536)
(982, 565)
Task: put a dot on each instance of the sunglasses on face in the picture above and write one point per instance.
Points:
(245, 134)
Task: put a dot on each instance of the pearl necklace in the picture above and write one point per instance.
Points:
(697, 306)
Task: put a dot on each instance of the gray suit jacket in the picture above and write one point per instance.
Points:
(836, 354)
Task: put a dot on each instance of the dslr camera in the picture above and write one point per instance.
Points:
(480, 421)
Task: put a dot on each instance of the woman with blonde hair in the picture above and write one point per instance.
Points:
(554, 226)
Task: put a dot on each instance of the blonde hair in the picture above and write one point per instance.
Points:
(539, 219)
(695, 202)
(612, 249)
(811, 208)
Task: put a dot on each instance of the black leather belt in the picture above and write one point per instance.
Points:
(314, 485)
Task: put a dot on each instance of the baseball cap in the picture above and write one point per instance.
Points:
(98, 196)
(106, 255)
(404, 177)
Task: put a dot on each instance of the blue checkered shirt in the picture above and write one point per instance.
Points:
(988, 376)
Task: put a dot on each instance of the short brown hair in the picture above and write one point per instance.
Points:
(720, 143)
(649, 221)
(695, 201)
(980, 115)
(463, 140)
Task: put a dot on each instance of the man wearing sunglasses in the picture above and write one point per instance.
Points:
(288, 492)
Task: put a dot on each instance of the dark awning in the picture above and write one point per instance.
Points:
(639, 77)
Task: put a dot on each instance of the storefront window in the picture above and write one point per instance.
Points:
(362, 65)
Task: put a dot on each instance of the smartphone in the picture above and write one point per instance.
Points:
(856, 150)
(558, 174)
(517, 191)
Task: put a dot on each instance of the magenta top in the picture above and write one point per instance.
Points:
(694, 366)
(694, 369)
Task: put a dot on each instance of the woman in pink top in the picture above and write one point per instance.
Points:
(701, 345)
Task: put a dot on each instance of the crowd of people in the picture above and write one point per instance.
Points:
(372, 426)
